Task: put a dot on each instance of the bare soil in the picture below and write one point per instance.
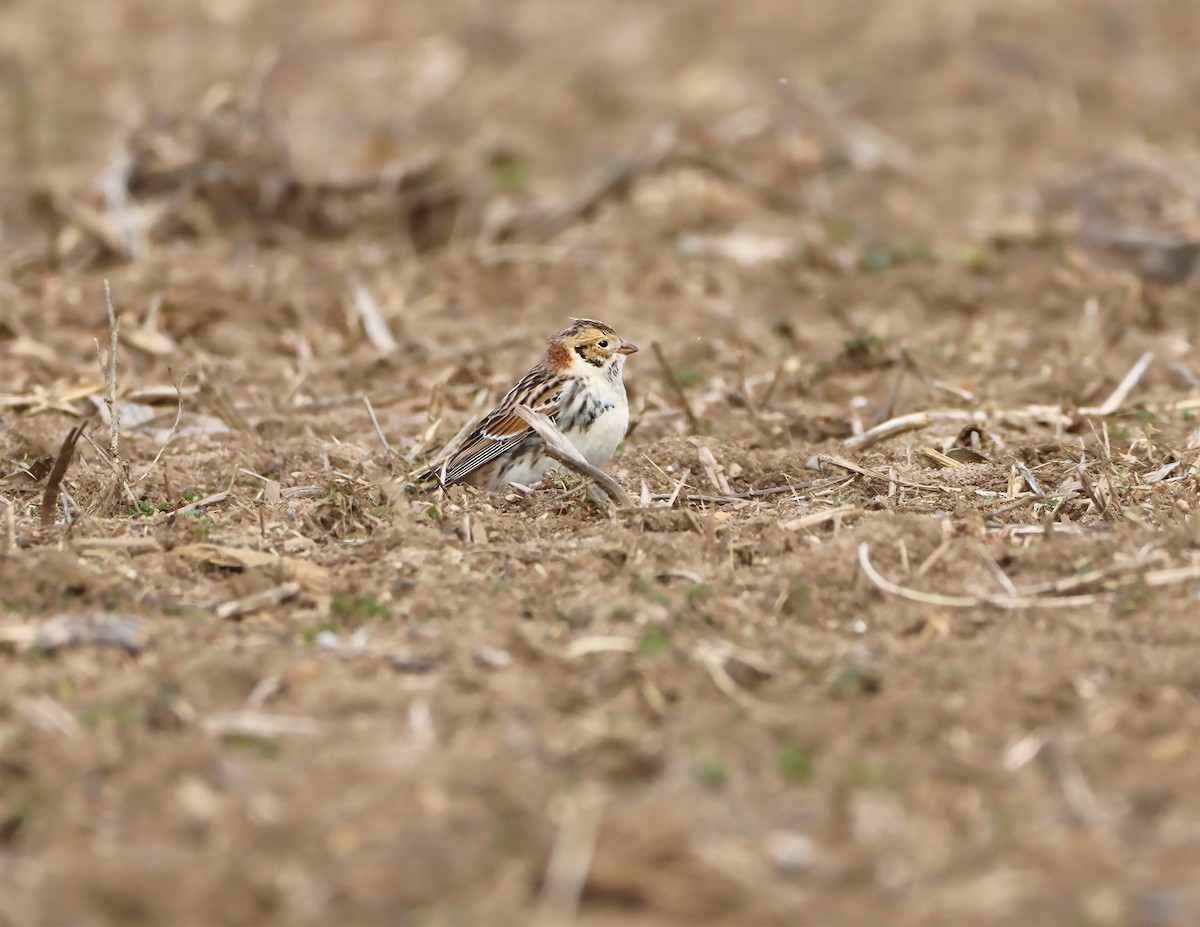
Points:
(947, 676)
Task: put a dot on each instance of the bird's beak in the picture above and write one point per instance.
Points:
(627, 347)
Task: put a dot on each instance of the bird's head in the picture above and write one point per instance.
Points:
(588, 348)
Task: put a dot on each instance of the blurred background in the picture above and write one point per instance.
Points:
(482, 709)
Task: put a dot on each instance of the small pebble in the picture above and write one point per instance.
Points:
(492, 658)
(404, 662)
(789, 852)
(328, 640)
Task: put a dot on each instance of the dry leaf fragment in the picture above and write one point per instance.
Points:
(310, 576)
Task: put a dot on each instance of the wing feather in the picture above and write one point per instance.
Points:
(502, 428)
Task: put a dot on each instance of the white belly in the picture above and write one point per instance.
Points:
(597, 443)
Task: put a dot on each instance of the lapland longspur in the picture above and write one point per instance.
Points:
(577, 384)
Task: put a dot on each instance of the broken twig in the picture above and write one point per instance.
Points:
(673, 380)
(556, 445)
(54, 480)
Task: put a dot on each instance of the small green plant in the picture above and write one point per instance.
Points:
(974, 259)
(1131, 597)
(686, 377)
(948, 680)
(886, 255)
(795, 763)
(854, 682)
(646, 585)
(862, 341)
(511, 171)
(248, 743)
(336, 499)
(122, 716)
(1001, 825)
(16, 815)
(36, 656)
(798, 596)
(310, 634)
(840, 228)
(864, 774)
(146, 507)
(357, 606)
(654, 641)
(622, 613)
(711, 772)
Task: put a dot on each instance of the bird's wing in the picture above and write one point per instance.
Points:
(502, 428)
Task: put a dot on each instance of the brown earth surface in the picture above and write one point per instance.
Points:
(943, 675)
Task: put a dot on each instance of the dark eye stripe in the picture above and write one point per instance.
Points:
(581, 350)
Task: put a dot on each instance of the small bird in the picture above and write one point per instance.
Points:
(577, 385)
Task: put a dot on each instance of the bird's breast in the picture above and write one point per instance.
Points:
(595, 420)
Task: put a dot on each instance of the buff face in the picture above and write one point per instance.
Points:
(594, 344)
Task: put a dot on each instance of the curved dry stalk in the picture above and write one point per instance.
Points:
(892, 427)
(171, 434)
(963, 601)
(1118, 396)
(556, 445)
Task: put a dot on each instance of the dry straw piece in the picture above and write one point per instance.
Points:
(557, 446)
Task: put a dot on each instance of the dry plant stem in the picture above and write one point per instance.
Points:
(94, 224)
(889, 405)
(758, 493)
(236, 608)
(170, 435)
(867, 144)
(54, 480)
(570, 859)
(258, 724)
(120, 480)
(1124, 388)
(131, 545)
(201, 503)
(678, 489)
(962, 601)
(837, 515)
(1031, 481)
(693, 422)
(872, 474)
(373, 322)
(10, 535)
(559, 448)
(110, 378)
(375, 421)
(902, 423)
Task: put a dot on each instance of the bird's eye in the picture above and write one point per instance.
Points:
(602, 344)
